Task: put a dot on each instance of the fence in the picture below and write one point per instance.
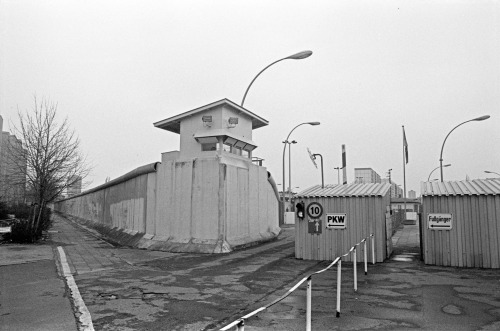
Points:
(240, 323)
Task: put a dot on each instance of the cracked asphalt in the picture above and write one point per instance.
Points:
(130, 289)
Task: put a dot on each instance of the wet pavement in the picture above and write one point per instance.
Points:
(131, 289)
(32, 295)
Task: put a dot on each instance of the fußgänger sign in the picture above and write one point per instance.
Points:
(440, 221)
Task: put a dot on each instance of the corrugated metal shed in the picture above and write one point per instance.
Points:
(365, 208)
(349, 190)
(473, 238)
(465, 187)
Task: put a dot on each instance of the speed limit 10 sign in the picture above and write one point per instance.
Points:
(314, 210)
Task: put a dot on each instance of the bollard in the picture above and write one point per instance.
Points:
(355, 271)
(373, 248)
(308, 304)
(365, 260)
(339, 281)
(241, 325)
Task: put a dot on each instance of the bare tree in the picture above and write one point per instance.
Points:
(50, 159)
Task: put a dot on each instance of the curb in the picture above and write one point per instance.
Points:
(82, 314)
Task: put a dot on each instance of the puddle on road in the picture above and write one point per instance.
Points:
(406, 257)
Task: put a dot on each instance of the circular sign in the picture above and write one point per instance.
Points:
(314, 210)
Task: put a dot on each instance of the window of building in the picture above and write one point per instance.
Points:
(209, 147)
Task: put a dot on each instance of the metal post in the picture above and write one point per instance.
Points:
(366, 259)
(241, 326)
(322, 176)
(290, 173)
(339, 281)
(355, 271)
(308, 304)
(282, 214)
(373, 248)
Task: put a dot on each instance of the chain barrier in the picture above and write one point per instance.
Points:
(240, 323)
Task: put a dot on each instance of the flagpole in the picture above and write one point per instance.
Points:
(404, 170)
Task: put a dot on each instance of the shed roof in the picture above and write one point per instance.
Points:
(348, 190)
(490, 186)
(173, 123)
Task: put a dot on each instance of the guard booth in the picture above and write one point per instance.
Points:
(337, 217)
(461, 223)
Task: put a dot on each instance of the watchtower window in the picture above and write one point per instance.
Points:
(209, 147)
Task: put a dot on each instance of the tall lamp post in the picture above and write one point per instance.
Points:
(297, 56)
(284, 149)
(482, 118)
(492, 172)
(289, 166)
(338, 174)
(429, 178)
(322, 177)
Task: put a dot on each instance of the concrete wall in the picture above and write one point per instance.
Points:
(210, 205)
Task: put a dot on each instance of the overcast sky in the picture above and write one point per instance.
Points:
(116, 67)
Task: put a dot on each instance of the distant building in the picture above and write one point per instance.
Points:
(396, 191)
(366, 175)
(412, 194)
(75, 186)
(411, 204)
(12, 170)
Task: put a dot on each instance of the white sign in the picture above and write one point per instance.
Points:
(5, 229)
(336, 221)
(312, 157)
(440, 221)
(314, 210)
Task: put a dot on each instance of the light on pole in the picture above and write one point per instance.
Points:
(290, 166)
(482, 118)
(284, 149)
(338, 174)
(297, 56)
(429, 178)
(492, 172)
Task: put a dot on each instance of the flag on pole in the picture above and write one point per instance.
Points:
(405, 145)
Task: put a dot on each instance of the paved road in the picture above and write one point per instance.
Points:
(129, 289)
(32, 295)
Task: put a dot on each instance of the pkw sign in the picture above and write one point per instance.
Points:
(336, 221)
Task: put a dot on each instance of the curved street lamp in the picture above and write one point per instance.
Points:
(297, 56)
(290, 166)
(482, 118)
(446, 165)
(284, 149)
(492, 172)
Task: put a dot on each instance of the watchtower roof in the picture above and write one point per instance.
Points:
(173, 123)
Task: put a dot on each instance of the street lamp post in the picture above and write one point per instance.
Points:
(284, 149)
(297, 56)
(322, 177)
(290, 166)
(338, 174)
(482, 118)
(446, 165)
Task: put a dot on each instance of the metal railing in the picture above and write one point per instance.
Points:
(240, 322)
